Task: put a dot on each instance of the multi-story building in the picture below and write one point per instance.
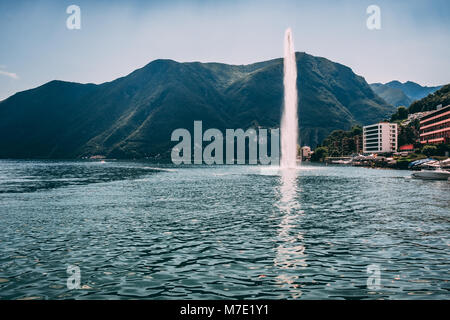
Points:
(306, 153)
(435, 126)
(380, 138)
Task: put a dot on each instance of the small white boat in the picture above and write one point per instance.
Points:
(438, 174)
(341, 161)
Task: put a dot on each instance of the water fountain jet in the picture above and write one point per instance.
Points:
(289, 120)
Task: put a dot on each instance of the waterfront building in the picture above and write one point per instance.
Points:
(380, 138)
(406, 148)
(435, 126)
(306, 153)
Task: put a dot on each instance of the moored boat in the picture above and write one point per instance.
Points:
(438, 174)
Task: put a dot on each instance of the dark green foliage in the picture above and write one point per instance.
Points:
(134, 116)
(341, 143)
(429, 150)
(319, 154)
(407, 134)
(442, 149)
(442, 96)
(401, 114)
(356, 130)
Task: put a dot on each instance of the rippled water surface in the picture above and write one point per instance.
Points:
(140, 230)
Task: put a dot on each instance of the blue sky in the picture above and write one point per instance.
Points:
(117, 37)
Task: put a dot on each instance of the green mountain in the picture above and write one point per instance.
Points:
(402, 94)
(430, 102)
(393, 96)
(413, 90)
(134, 116)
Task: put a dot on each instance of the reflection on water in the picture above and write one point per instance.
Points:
(290, 252)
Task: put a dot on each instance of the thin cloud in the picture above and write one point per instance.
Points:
(9, 74)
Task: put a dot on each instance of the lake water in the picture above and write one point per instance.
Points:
(140, 230)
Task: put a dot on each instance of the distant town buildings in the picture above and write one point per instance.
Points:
(435, 126)
(380, 138)
(306, 153)
(414, 116)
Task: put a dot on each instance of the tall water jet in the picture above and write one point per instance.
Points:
(289, 120)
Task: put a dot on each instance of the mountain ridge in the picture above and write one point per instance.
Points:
(431, 101)
(133, 116)
(402, 94)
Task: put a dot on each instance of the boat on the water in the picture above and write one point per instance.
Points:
(341, 161)
(437, 174)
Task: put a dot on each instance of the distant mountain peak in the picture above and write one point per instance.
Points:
(393, 82)
(410, 91)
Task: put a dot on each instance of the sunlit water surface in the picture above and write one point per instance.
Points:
(140, 230)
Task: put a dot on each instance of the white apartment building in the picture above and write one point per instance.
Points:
(380, 137)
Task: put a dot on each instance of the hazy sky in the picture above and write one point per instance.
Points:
(117, 37)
